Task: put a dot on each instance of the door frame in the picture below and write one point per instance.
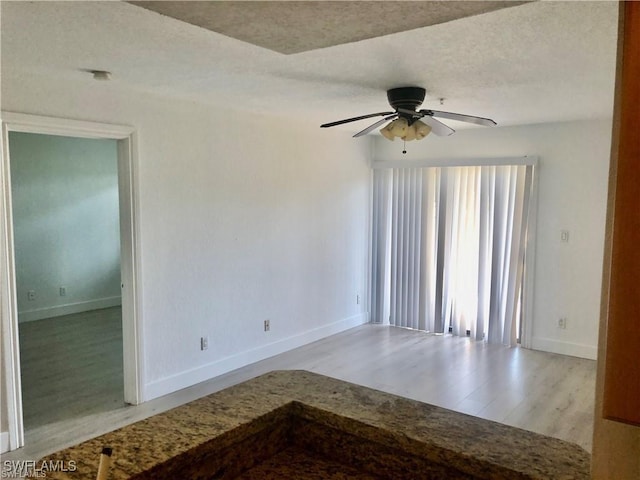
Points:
(129, 246)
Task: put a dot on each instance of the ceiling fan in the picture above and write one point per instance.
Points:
(408, 123)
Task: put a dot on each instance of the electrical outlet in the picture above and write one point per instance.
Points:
(31, 295)
(204, 343)
(564, 236)
(267, 325)
(63, 291)
(562, 322)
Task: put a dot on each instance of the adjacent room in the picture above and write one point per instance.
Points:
(66, 226)
(172, 206)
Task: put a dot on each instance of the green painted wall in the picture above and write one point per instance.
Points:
(66, 223)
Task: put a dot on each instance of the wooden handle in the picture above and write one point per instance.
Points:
(105, 463)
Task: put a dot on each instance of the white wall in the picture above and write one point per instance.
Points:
(66, 223)
(573, 170)
(241, 219)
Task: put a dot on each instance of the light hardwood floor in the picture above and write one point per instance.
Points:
(543, 392)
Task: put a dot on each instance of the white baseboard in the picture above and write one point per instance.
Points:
(565, 348)
(67, 309)
(188, 378)
(4, 442)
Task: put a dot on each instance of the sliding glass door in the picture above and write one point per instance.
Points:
(449, 248)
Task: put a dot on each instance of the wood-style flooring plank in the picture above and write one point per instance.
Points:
(542, 392)
(71, 366)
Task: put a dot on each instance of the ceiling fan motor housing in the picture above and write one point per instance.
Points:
(409, 98)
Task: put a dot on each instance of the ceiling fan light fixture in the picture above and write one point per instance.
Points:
(396, 128)
(400, 128)
(410, 134)
(421, 128)
(386, 132)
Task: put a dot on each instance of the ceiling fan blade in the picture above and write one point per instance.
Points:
(487, 122)
(438, 127)
(354, 119)
(375, 125)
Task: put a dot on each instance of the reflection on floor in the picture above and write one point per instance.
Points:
(71, 366)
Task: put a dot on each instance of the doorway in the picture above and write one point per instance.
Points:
(85, 287)
(65, 211)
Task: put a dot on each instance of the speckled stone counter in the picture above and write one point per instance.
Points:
(296, 415)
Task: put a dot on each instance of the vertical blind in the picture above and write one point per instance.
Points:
(448, 248)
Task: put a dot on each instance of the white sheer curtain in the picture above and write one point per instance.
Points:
(448, 248)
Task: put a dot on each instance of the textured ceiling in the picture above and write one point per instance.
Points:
(536, 62)
(299, 26)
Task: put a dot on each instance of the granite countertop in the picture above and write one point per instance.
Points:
(474, 447)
